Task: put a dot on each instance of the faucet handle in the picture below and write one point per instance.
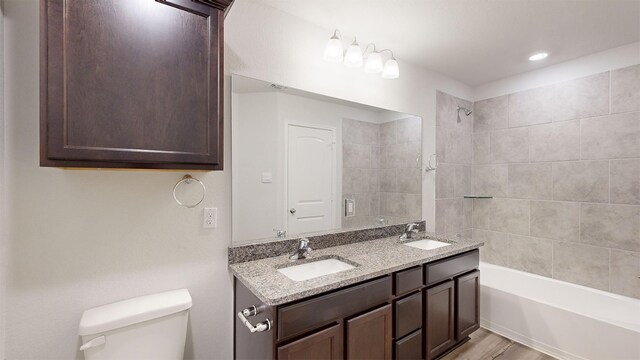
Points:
(280, 234)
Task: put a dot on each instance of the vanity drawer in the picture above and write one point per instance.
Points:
(307, 315)
(408, 315)
(450, 267)
(407, 280)
(409, 347)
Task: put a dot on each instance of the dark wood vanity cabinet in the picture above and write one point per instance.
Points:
(324, 344)
(132, 84)
(452, 302)
(422, 312)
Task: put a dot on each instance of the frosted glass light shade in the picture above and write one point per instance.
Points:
(333, 50)
(373, 63)
(391, 69)
(353, 57)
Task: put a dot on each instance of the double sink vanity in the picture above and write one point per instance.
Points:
(330, 256)
(359, 294)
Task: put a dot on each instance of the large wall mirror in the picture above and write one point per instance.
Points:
(305, 163)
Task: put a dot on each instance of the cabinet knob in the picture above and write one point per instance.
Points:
(292, 210)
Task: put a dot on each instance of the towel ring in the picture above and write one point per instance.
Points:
(187, 179)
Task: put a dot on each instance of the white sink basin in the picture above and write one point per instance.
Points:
(314, 269)
(427, 244)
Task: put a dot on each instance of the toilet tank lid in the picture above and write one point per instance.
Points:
(132, 311)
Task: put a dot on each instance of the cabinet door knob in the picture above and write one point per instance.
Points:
(292, 210)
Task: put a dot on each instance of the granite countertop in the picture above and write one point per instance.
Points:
(372, 259)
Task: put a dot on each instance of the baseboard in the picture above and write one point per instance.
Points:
(527, 341)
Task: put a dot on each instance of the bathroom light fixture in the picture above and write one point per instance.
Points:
(374, 61)
(538, 56)
(354, 57)
(333, 50)
(391, 69)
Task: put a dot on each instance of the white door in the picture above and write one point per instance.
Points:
(310, 179)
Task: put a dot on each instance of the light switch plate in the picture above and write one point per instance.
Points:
(210, 218)
(349, 207)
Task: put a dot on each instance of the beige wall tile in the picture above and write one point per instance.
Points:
(409, 129)
(614, 226)
(581, 181)
(409, 153)
(555, 220)
(531, 254)
(389, 156)
(481, 148)
(496, 246)
(625, 273)
(581, 264)
(388, 180)
(625, 89)
(625, 181)
(453, 146)
(356, 156)
(414, 206)
(510, 145)
(531, 107)
(530, 181)
(462, 180)
(444, 180)
(510, 216)
(611, 137)
(555, 142)
(360, 132)
(409, 180)
(467, 212)
(490, 180)
(481, 213)
(375, 157)
(491, 114)
(391, 204)
(449, 216)
(388, 133)
(583, 97)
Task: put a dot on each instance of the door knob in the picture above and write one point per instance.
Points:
(292, 210)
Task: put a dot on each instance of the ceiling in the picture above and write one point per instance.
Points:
(477, 41)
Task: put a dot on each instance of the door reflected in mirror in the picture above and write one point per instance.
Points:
(305, 163)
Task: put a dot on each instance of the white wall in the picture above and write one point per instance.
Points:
(587, 65)
(78, 239)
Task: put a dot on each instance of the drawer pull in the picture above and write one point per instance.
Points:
(253, 311)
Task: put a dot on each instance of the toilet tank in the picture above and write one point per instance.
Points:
(147, 327)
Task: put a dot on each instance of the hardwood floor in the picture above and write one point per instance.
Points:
(485, 345)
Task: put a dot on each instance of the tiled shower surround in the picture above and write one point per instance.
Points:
(380, 170)
(563, 165)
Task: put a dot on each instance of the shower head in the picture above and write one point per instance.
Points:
(467, 112)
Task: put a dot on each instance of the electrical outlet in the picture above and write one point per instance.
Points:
(210, 218)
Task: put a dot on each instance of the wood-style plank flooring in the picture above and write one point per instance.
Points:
(485, 345)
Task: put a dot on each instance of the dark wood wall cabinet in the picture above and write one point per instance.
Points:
(132, 84)
(422, 312)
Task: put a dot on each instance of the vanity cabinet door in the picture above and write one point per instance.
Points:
(467, 304)
(439, 312)
(324, 344)
(369, 335)
(131, 84)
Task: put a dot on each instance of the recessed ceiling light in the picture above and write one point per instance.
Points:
(538, 56)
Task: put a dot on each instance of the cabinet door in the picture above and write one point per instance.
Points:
(369, 335)
(322, 345)
(467, 304)
(439, 311)
(132, 84)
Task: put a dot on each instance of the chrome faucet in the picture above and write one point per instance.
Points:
(411, 229)
(302, 251)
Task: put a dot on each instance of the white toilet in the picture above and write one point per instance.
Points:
(150, 327)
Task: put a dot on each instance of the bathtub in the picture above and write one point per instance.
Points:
(563, 320)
